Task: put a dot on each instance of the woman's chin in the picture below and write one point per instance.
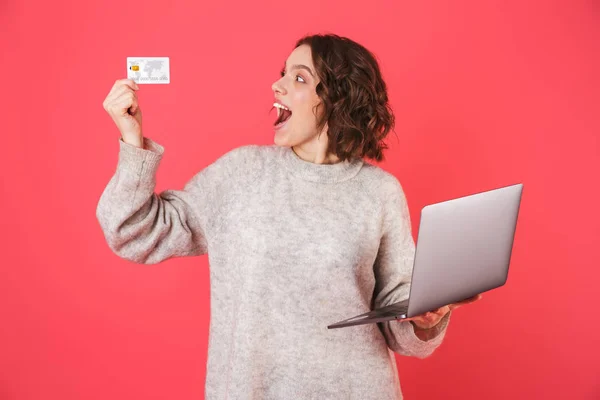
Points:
(279, 139)
(280, 136)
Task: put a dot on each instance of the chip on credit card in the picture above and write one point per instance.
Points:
(148, 70)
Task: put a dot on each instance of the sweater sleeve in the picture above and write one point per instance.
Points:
(147, 227)
(393, 272)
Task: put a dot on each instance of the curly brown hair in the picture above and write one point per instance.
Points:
(353, 96)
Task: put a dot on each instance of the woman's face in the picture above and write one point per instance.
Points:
(296, 90)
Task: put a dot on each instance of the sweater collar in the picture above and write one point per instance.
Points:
(322, 173)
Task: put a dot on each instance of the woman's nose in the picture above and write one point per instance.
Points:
(277, 87)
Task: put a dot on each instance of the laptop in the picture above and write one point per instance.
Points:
(463, 248)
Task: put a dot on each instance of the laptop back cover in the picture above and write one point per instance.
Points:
(463, 248)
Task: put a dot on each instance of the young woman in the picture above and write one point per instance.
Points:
(299, 234)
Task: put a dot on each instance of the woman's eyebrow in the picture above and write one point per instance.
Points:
(301, 66)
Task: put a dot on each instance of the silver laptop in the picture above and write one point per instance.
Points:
(463, 248)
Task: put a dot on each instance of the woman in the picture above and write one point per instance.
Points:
(299, 234)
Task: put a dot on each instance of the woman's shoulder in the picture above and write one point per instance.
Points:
(378, 176)
(255, 149)
(382, 184)
(246, 161)
(250, 154)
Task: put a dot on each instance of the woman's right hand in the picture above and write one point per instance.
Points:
(122, 105)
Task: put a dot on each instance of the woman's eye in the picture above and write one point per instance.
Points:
(282, 73)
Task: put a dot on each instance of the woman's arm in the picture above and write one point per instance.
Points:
(393, 272)
(145, 227)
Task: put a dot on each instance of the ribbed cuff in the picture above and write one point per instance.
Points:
(140, 160)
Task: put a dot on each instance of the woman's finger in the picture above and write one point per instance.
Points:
(430, 315)
(442, 311)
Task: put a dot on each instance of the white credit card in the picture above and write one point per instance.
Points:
(148, 69)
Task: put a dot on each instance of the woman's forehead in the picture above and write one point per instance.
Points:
(301, 55)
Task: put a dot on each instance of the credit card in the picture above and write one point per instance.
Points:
(149, 70)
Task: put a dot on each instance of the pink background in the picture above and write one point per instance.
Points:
(486, 93)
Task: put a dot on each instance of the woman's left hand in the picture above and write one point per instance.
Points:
(432, 318)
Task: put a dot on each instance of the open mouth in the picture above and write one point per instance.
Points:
(283, 114)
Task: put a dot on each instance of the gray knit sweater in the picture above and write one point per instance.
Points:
(292, 246)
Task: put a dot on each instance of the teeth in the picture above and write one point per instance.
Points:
(280, 106)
